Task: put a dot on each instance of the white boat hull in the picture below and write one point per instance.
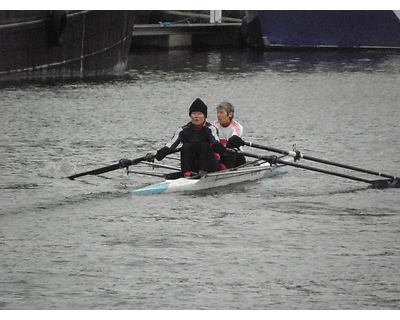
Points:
(216, 179)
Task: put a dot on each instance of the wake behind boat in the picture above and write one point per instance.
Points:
(249, 172)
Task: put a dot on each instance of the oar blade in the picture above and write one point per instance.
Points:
(385, 183)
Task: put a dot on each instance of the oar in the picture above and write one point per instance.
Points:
(113, 166)
(273, 159)
(294, 154)
(118, 165)
(160, 165)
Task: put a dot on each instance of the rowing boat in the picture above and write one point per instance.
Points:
(264, 167)
(248, 172)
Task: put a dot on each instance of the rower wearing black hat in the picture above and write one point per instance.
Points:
(199, 140)
(198, 106)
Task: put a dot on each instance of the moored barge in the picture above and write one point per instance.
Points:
(40, 45)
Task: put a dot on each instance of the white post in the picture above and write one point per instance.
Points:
(215, 16)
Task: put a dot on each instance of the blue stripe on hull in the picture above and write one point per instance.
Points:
(337, 28)
(153, 189)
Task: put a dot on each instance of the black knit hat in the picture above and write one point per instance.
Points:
(198, 106)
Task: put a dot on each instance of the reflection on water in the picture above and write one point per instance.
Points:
(253, 61)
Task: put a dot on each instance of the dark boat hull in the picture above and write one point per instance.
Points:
(325, 29)
(64, 45)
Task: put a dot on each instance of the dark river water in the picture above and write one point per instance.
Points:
(303, 240)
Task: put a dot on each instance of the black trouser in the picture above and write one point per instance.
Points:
(231, 160)
(197, 157)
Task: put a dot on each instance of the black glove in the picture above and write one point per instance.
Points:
(218, 148)
(235, 142)
(162, 153)
(124, 163)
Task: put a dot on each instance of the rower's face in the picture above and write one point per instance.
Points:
(198, 118)
(224, 117)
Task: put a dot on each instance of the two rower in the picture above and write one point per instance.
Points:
(203, 143)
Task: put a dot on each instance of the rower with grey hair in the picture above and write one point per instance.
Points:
(230, 133)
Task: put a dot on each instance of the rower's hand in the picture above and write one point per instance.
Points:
(162, 153)
(235, 142)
